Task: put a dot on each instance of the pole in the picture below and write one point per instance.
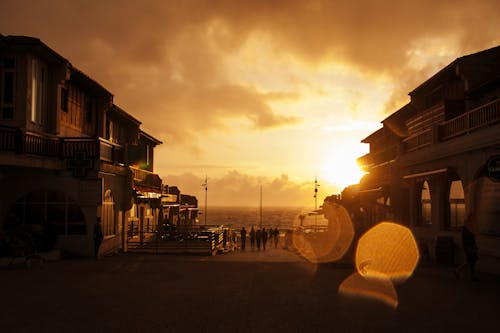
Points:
(316, 185)
(206, 194)
(260, 206)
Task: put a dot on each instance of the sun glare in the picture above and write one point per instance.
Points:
(341, 170)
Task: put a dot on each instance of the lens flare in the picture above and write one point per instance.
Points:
(387, 251)
(327, 244)
(378, 289)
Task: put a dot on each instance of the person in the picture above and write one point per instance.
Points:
(257, 238)
(276, 237)
(98, 237)
(243, 234)
(470, 250)
(264, 238)
(252, 238)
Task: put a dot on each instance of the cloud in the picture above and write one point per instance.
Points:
(239, 189)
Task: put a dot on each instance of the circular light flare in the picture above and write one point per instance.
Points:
(331, 244)
(387, 251)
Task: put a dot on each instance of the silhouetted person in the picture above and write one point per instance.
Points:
(264, 238)
(98, 237)
(252, 238)
(243, 234)
(258, 235)
(276, 237)
(470, 250)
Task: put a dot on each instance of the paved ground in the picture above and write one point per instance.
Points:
(275, 291)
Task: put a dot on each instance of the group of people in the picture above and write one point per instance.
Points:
(259, 238)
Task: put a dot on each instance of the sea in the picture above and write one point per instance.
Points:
(272, 217)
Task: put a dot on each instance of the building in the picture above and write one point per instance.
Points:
(68, 155)
(436, 160)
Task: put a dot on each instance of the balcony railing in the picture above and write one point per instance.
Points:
(21, 142)
(418, 141)
(479, 117)
(145, 178)
(377, 158)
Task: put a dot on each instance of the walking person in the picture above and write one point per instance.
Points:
(258, 234)
(243, 234)
(264, 238)
(252, 238)
(98, 237)
(470, 250)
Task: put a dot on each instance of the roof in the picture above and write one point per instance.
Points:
(150, 138)
(36, 43)
(119, 111)
(396, 121)
(372, 136)
(454, 68)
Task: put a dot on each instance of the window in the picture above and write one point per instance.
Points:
(64, 99)
(457, 205)
(7, 83)
(426, 204)
(50, 209)
(38, 91)
(87, 109)
(108, 214)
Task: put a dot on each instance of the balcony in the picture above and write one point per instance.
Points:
(49, 146)
(371, 160)
(482, 116)
(145, 180)
(418, 141)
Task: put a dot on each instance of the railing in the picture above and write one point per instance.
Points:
(376, 158)
(418, 141)
(24, 142)
(479, 117)
(145, 178)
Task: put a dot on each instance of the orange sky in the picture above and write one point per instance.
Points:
(258, 92)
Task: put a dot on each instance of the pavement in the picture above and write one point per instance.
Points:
(250, 291)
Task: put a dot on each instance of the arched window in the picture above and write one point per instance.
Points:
(425, 199)
(457, 205)
(108, 214)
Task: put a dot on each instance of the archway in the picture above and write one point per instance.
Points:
(456, 207)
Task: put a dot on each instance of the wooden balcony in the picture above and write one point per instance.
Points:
(49, 146)
(482, 116)
(373, 159)
(418, 141)
(145, 179)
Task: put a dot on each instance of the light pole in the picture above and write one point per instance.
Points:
(206, 194)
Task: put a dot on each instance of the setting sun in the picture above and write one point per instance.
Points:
(341, 168)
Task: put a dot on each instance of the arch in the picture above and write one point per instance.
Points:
(108, 214)
(456, 204)
(425, 204)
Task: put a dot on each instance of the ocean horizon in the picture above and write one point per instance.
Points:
(248, 216)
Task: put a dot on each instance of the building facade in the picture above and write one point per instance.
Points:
(68, 156)
(436, 160)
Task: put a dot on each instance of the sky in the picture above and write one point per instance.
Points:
(258, 93)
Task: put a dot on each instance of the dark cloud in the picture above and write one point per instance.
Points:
(163, 59)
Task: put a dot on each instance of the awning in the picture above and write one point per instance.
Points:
(426, 173)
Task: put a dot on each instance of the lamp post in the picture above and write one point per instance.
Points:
(206, 193)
